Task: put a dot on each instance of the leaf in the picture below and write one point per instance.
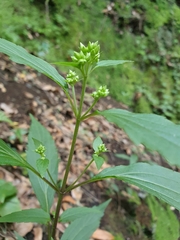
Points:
(164, 221)
(4, 118)
(85, 221)
(68, 64)
(82, 228)
(98, 160)
(158, 181)
(107, 63)
(21, 56)
(9, 157)
(72, 214)
(37, 143)
(42, 166)
(155, 132)
(44, 192)
(36, 215)
(96, 143)
(11, 205)
(7, 190)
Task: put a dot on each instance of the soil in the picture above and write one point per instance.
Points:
(23, 92)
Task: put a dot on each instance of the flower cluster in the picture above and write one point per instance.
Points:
(41, 151)
(101, 148)
(89, 54)
(72, 78)
(101, 92)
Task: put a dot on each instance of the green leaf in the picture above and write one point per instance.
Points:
(72, 214)
(21, 56)
(107, 63)
(7, 190)
(68, 64)
(155, 132)
(4, 118)
(11, 205)
(165, 222)
(82, 228)
(37, 143)
(42, 166)
(36, 215)
(158, 181)
(98, 160)
(96, 143)
(44, 192)
(10, 157)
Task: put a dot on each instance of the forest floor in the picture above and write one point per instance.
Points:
(24, 92)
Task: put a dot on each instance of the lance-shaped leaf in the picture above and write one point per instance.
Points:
(98, 161)
(21, 56)
(29, 215)
(96, 143)
(107, 63)
(85, 222)
(67, 64)
(155, 132)
(159, 181)
(42, 166)
(43, 191)
(10, 157)
(71, 214)
(7, 190)
(82, 228)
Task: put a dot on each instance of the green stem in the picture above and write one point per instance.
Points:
(44, 179)
(89, 115)
(82, 96)
(81, 184)
(92, 160)
(56, 217)
(70, 155)
(74, 98)
(49, 231)
(78, 121)
(51, 178)
(71, 103)
(90, 108)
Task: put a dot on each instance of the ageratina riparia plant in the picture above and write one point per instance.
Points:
(155, 132)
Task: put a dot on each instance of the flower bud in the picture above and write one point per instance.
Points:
(72, 78)
(89, 54)
(102, 92)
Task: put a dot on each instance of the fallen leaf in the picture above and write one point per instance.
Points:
(23, 228)
(77, 194)
(6, 108)
(69, 199)
(38, 233)
(28, 95)
(102, 235)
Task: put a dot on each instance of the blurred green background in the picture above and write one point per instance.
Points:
(147, 32)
